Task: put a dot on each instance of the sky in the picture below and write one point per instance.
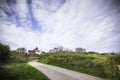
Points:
(90, 24)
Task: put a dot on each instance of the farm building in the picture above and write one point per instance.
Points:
(34, 51)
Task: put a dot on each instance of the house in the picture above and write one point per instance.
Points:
(37, 51)
(31, 52)
(21, 50)
(34, 51)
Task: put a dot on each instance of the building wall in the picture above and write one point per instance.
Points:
(38, 52)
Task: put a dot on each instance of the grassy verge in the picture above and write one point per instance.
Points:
(20, 71)
(104, 66)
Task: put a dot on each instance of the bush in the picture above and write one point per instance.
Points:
(4, 52)
(95, 64)
(111, 67)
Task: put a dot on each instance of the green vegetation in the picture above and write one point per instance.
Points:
(20, 71)
(4, 52)
(13, 66)
(102, 65)
(22, 56)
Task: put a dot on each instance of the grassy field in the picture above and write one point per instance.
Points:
(101, 65)
(20, 71)
(17, 68)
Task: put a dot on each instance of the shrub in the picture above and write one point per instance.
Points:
(94, 64)
(4, 52)
(111, 67)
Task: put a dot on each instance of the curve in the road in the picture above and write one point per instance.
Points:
(57, 73)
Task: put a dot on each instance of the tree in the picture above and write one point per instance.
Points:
(80, 50)
(36, 48)
(4, 52)
(58, 49)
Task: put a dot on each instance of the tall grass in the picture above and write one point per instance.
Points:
(95, 64)
(20, 71)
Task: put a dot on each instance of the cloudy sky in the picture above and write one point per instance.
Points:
(90, 24)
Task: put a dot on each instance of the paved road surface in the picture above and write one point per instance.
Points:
(57, 73)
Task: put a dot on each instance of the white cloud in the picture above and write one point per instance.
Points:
(18, 36)
(73, 29)
(22, 8)
(79, 23)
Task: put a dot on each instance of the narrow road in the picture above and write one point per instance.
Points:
(57, 73)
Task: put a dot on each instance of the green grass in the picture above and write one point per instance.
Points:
(101, 65)
(20, 71)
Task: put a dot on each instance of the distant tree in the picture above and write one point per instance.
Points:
(51, 51)
(21, 50)
(80, 50)
(58, 49)
(55, 49)
(36, 48)
(68, 50)
(4, 52)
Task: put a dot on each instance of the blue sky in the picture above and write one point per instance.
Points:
(90, 24)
